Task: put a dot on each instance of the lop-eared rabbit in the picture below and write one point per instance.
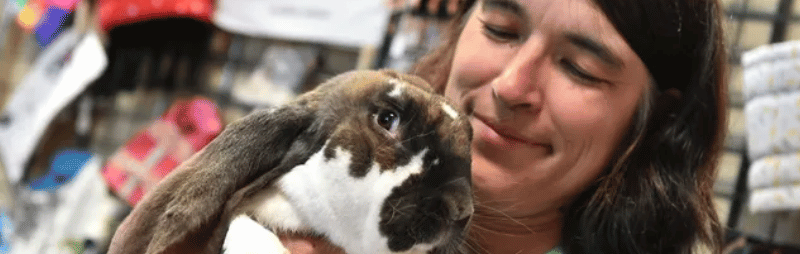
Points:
(374, 161)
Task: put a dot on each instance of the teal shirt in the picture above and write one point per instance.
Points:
(556, 250)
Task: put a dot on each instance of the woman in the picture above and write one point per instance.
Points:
(597, 123)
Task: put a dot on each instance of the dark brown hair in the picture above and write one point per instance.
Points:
(656, 196)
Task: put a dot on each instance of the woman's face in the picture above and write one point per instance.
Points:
(552, 87)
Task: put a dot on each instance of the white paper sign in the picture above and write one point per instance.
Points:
(61, 73)
(352, 23)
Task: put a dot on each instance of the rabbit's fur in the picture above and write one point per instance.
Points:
(372, 160)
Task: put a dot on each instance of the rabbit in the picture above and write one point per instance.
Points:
(374, 161)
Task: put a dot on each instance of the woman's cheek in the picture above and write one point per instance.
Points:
(473, 68)
(577, 111)
(477, 59)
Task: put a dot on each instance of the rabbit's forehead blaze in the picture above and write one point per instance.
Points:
(397, 88)
(390, 87)
(435, 112)
(364, 87)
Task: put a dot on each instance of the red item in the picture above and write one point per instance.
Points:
(155, 151)
(113, 13)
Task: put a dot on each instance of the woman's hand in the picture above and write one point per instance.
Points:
(300, 244)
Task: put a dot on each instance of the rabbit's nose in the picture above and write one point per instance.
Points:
(459, 199)
(462, 211)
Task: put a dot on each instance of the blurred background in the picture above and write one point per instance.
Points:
(99, 99)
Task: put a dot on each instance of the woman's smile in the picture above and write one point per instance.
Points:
(503, 137)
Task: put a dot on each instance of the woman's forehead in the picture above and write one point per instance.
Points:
(565, 16)
(579, 23)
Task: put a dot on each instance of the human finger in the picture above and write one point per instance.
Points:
(298, 244)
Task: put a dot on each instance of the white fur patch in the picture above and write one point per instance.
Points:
(346, 209)
(273, 209)
(398, 88)
(247, 236)
(450, 111)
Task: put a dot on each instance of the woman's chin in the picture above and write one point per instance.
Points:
(507, 189)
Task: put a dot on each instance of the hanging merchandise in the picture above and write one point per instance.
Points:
(415, 37)
(153, 152)
(350, 23)
(168, 33)
(113, 13)
(61, 73)
(52, 23)
(20, 3)
(279, 76)
(46, 19)
(51, 220)
(6, 230)
(416, 32)
(30, 13)
(65, 165)
(772, 97)
(64, 4)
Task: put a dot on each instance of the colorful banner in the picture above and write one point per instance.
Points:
(30, 14)
(51, 25)
(44, 18)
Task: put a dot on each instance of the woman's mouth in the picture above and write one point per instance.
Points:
(494, 135)
(499, 137)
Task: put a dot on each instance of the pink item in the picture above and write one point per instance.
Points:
(155, 151)
(63, 4)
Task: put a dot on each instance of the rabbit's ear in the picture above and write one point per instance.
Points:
(182, 212)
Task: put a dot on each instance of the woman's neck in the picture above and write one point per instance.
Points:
(494, 233)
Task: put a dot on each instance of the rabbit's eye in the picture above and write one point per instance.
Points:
(388, 119)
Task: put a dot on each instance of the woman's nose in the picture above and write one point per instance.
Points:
(519, 85)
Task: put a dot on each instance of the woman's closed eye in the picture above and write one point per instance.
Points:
(498, 33)
(576, 71)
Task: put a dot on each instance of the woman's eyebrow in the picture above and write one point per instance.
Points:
(596, 48)
(510, 6)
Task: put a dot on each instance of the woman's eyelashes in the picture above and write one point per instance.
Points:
(499, 34)
(508, 34)
(579, 73)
